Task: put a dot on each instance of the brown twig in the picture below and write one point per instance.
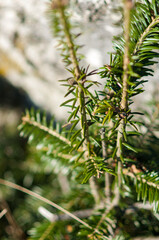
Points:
(36, 195)
(4, 211)
(41, 198)
(84, 213)
(109, 208)
(13, 230)
(128, 4)
(107, 175)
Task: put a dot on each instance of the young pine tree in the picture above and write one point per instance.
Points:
(100, 149)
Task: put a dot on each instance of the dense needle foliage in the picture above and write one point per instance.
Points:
(100, 158)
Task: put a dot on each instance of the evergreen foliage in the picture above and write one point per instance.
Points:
(100, 146)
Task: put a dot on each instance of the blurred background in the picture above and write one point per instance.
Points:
(30, 67)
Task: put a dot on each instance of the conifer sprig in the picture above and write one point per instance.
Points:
(77, 87)
(107, 151)
(143, 43)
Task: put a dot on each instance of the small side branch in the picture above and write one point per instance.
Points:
(85, 213)
(140, 178)
(14, 229)
(128, 4)
(69, 42)
(141, 39)
(107, 175)
(41, 198)
(27, 119)
(4, 211)
(108, 209)
(81, 97)
(37, 196)
(94, 191)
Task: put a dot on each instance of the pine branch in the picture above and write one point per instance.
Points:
(49, 139)
(143, 177)
(124, 99)
(33, 123)
(70, 43)
(47, 232)
(123, 105)
(154, 22)
(132, 60)
(147, 186)
(113, 204)
(81, 97)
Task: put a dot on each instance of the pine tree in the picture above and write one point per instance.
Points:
(100, 149)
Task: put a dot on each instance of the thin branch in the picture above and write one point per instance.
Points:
(57, 153)
(41, 198)
(107, 175)
(69, 42)
(109, 208)
(83, 117)
(36, 195)
(85, 213)
(64, 183)
(26, 119)
(3, 212)
(128, 4)
(144, 34)
(123, 104)
(94, 191)
(47, 232)
(15, 230)
(140, 178)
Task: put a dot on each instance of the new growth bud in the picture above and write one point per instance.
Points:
(59, 3)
